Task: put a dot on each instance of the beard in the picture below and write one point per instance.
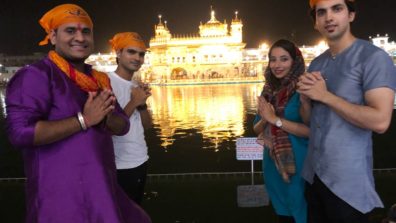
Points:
(337, 35)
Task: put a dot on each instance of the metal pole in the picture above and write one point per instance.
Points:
(252, 171)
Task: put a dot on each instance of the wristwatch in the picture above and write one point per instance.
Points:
(278, 123)
(142, 107)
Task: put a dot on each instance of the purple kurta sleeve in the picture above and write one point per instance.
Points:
(120, 113)
(27, 102)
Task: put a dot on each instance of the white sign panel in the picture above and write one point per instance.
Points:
(248, 149)
(252, 196)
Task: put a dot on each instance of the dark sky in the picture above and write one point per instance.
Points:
(264, 20)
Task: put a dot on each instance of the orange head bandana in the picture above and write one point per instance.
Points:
(61, 14)
(312, 3)
(122, 40)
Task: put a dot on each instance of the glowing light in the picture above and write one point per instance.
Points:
(214, 52)
(216, 112)
(264, 46)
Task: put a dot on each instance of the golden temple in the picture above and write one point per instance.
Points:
(215, 52)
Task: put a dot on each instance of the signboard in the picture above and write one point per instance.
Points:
(252, 196)
(248, 149)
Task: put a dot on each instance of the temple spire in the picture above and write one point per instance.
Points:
(212, 15)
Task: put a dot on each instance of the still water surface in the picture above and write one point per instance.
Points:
(217, 112)
(195, 128)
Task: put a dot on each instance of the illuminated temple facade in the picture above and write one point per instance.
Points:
(215, 52)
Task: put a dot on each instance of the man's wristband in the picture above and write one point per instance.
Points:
(142, 107)
(81, 120)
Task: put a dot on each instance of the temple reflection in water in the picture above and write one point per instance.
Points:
(215, 111)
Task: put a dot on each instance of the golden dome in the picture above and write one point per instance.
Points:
(213, 27)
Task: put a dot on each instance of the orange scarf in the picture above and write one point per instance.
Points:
(98, 80)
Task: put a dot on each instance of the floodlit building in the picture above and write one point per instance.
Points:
(383, 42)
(215, 52)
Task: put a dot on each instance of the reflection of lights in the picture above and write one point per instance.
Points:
(216, 112)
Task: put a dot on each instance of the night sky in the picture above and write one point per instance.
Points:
(264, 20)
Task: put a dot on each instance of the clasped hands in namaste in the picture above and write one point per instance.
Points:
(312, 86)
(98, 105)
(140, 93)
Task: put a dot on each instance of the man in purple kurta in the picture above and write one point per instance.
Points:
(61, 114)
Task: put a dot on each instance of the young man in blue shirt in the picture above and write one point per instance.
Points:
(351, 91)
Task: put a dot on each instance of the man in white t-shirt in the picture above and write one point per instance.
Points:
(131, 149)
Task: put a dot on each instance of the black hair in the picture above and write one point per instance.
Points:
(351, 5)
(288, 46)
(118, 60)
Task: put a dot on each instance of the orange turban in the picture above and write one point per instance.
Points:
(122, 40)
(312, 3)
(61, 14)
